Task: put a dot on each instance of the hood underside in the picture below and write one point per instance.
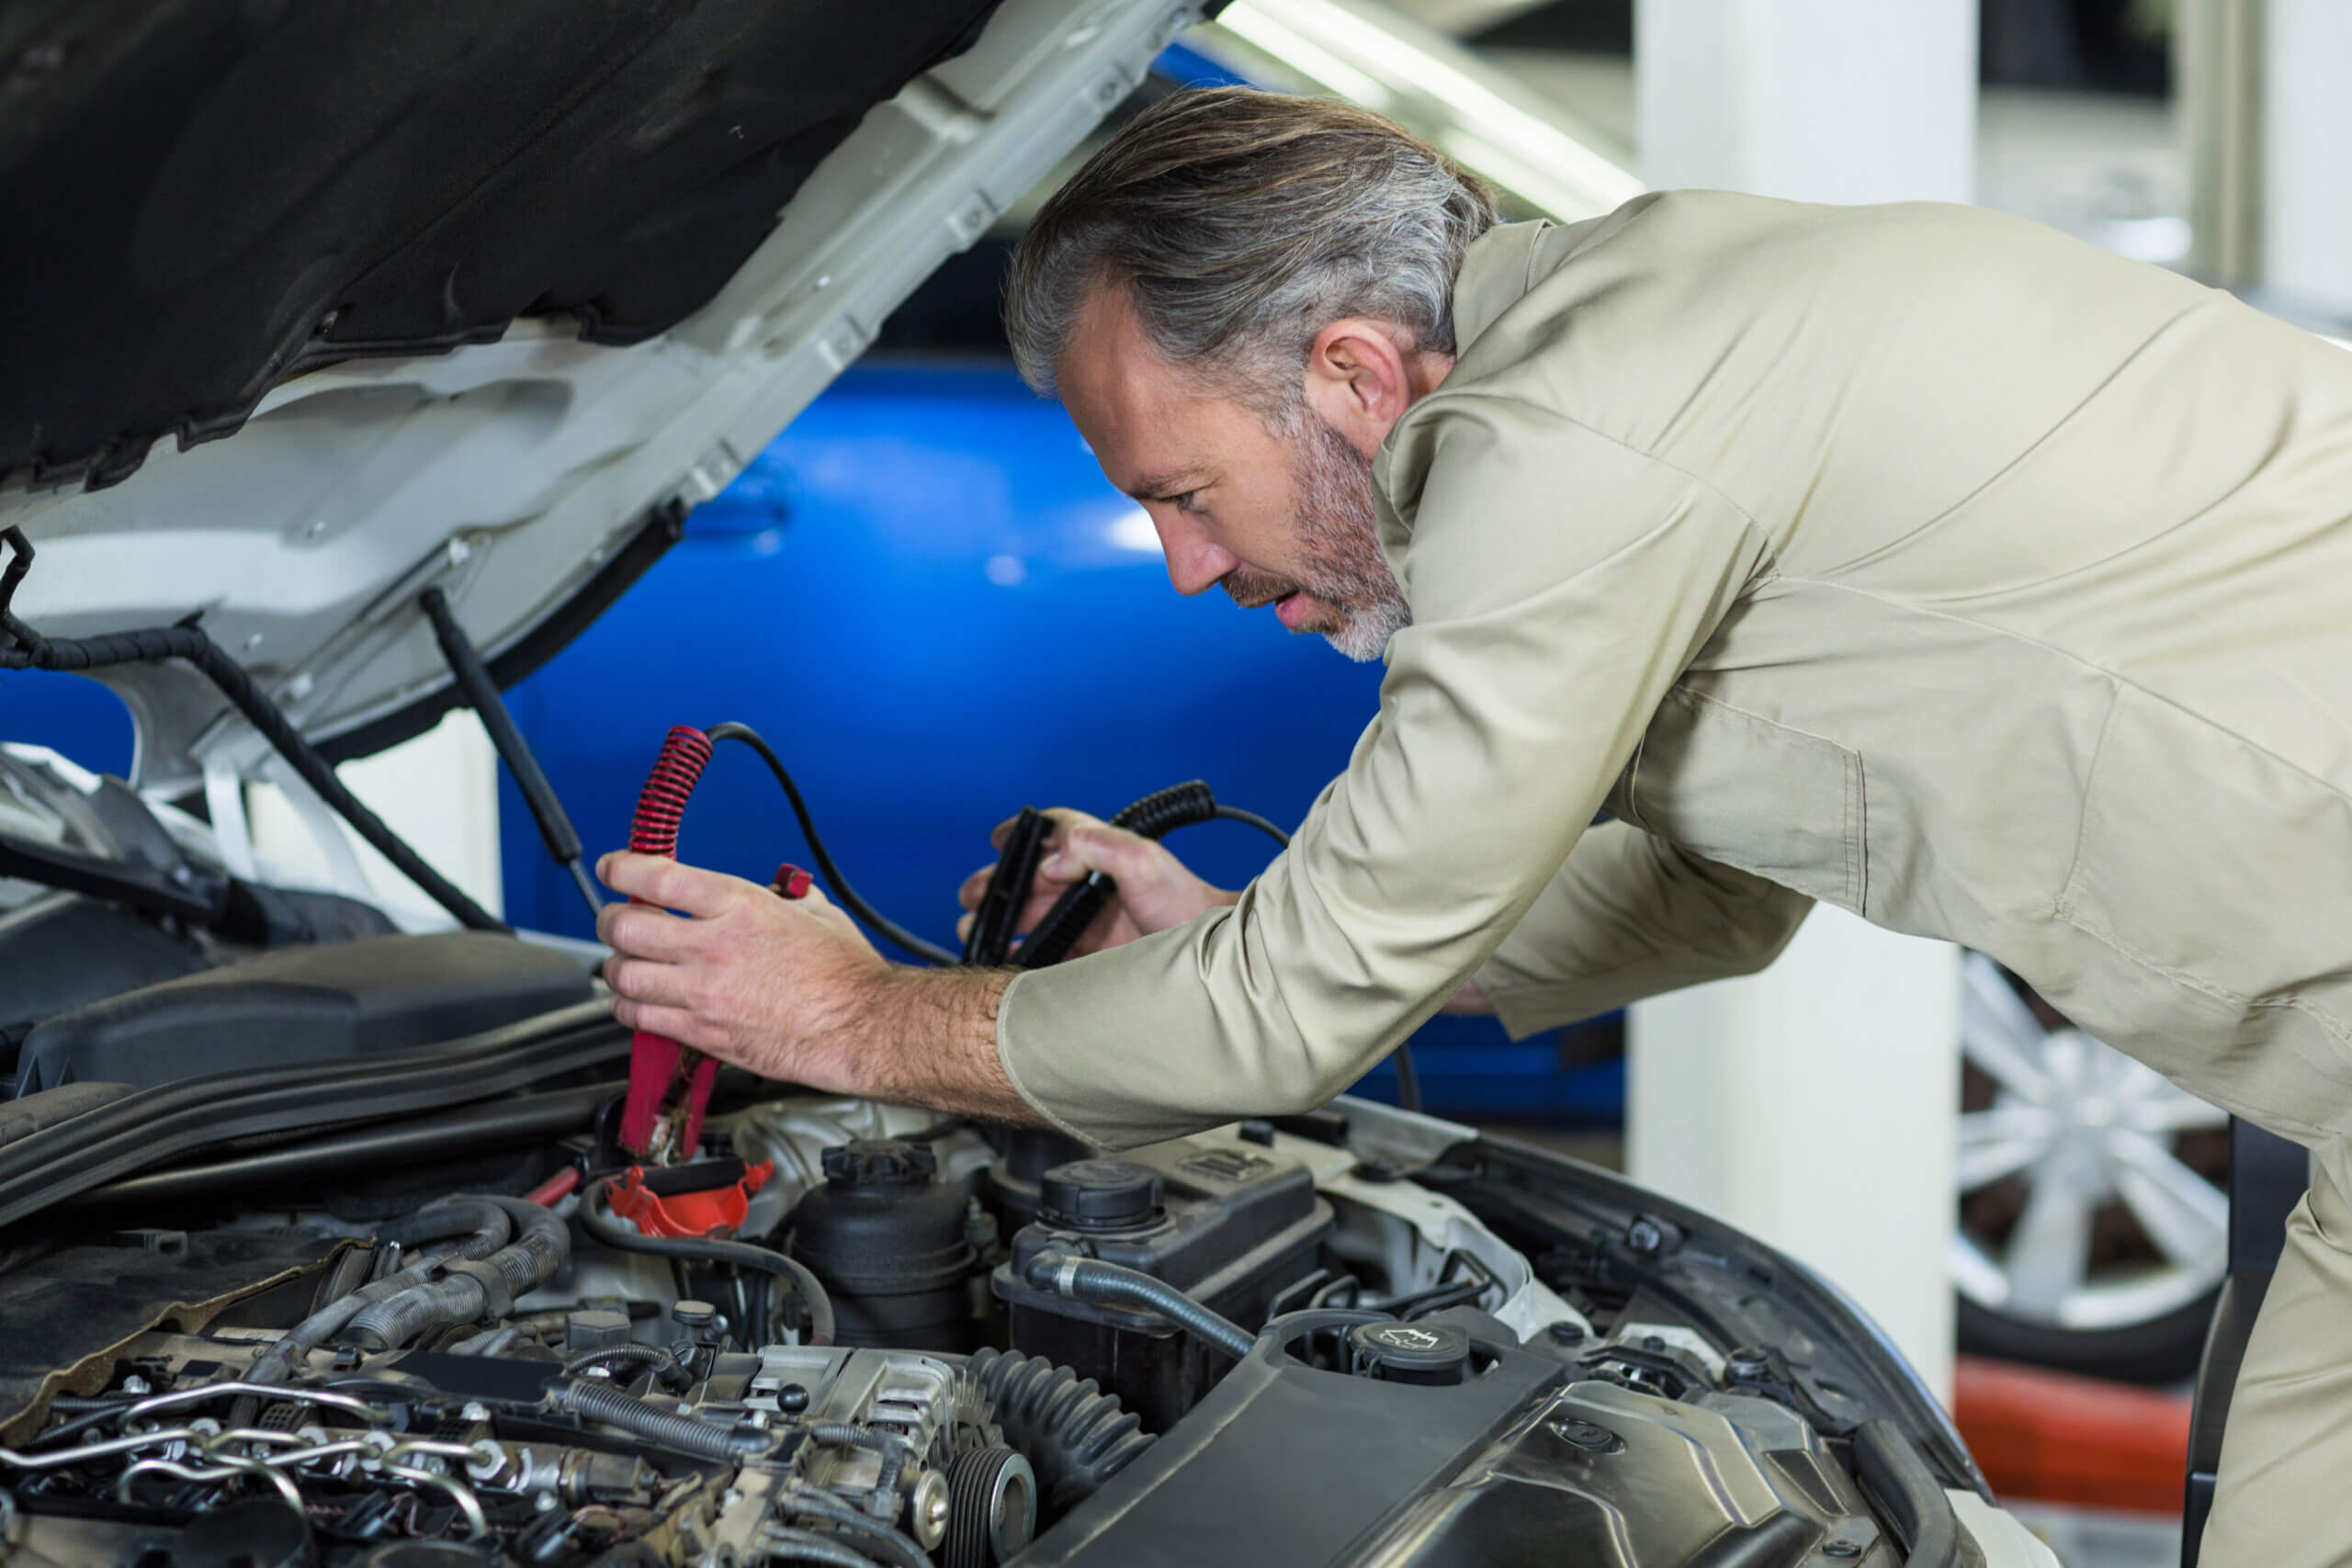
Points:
(222, 195)
(486, 295)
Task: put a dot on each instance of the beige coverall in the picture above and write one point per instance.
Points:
(1916, 559)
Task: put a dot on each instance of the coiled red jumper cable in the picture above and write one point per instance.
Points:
(669, 1085)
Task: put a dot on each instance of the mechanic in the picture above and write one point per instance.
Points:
(1917, 558)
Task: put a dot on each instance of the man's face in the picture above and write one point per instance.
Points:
(1273, 517)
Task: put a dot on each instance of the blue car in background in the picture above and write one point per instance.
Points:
(927, 596)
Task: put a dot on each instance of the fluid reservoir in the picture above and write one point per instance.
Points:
(889, 1243)
(1230, 1224)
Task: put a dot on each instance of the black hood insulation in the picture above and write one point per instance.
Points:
(204, 197)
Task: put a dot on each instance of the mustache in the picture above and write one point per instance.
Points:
(1256, 590)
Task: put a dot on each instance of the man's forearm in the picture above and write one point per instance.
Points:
(928, 1038)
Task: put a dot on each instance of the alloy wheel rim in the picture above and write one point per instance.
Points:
(2083, 1126)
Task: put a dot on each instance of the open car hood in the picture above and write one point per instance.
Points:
(484, 299)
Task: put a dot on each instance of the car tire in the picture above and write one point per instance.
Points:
(2161, 1350)
(2091, 1230)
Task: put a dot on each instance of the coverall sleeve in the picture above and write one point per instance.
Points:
(1632, 916)
(1560, 583)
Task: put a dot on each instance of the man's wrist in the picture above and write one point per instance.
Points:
(928, 1037)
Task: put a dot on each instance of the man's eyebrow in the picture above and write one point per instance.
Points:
(1160, 487)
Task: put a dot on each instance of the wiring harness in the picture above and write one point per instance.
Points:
(26, 649)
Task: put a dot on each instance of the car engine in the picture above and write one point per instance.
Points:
(853, 1335)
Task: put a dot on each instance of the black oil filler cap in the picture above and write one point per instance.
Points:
(1100, 1195)
(1412, 1352)
(878, 1162)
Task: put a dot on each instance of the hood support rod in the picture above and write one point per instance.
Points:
(481, 694)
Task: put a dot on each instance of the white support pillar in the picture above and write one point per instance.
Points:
(1815, 100)
(1814, 1104)
(2307, 154)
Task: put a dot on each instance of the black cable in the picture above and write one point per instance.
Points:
(806, 1502)
(936, 1131)
(842, 892)
(647, 1358)
(1408, 1080)
(187, 641)
(1181, 806)
(1154, 817)
(1234, 814)
(481, 694)
(1440, 1296)
(1016, 873)
(1110, 1284)
(600, 1224)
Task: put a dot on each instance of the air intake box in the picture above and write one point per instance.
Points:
(1229, 1225)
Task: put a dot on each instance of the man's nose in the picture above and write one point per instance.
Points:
(1195, 562)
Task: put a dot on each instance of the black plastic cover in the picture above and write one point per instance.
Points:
(1283, 1463)
(305, 1006)
(77, 1303)
(63, 951)
(205, 196)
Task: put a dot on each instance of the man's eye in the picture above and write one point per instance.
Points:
(1184, 503)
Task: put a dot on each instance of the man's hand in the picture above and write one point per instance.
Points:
(1155, 891)
(791, 989)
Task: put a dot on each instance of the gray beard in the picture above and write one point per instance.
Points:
(1340, 539)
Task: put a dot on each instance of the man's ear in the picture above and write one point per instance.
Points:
(1359, 378)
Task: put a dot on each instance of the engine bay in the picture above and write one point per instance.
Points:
(856, 1335)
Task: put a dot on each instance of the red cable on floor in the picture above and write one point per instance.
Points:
(2062, 1438)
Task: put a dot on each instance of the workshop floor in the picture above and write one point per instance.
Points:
(2098, 1537)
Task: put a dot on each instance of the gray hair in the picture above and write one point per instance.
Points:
(1241, 224)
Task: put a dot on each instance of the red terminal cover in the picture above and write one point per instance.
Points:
(705, 1213)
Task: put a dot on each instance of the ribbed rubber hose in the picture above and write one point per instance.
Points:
(541, 1245)
(1074, 1436)
(599, 1223)
(488, 1226)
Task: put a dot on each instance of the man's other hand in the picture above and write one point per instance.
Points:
(1156, 890)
